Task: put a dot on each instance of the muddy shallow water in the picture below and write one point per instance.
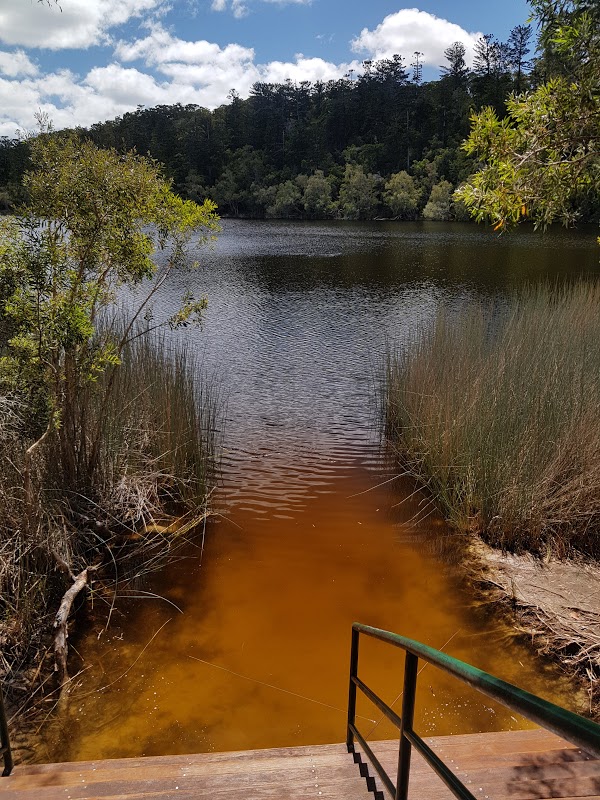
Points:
(249, 646)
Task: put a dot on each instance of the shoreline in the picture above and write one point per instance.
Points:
(554, 603)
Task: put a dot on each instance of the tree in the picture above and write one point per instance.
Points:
(401, 195)
(457, 69)
(317, 195)
(491, 72)
(286, 201)
(569, 36)
(544, 156)
(518, 49)
(483, 63)
(358, 193)
(91, 224)
(439, 205)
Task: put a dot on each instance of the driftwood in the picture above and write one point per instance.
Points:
(60, 624)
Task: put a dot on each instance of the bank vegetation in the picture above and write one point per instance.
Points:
(107, 428)
(496, 410)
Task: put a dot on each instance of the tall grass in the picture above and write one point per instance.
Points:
(497, 411)
(160, 434)
(158, 418)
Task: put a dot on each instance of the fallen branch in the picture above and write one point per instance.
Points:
(60, 624)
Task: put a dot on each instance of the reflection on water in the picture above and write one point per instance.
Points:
(251, 648)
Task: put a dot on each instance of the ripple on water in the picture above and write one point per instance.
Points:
(312, 535)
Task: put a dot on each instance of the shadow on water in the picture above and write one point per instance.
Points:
(313, 530)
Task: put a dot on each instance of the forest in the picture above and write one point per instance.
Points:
(380, 143)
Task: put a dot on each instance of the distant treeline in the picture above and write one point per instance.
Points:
(381, 143)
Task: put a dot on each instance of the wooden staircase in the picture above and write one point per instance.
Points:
(515, 765)
(520, 765)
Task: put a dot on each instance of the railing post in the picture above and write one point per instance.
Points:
(352, 690)
(4, 740)
(408, 712)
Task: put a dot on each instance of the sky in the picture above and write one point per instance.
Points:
(85, 61)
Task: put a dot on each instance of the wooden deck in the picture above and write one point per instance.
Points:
(520, 765)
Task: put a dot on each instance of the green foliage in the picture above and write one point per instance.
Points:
(286, 200)
(569, 36)
(317, 195)
(91, 224)
(542, 160)
(102, 427)
(440, 201)
(242, 153)
(539, 159)
(358, 193)
(401, 195)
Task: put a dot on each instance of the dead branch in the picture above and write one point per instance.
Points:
(60, 624)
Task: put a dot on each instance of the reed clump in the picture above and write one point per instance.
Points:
(158, 418)
(496, 410)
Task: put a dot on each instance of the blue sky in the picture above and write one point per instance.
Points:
(92, 60)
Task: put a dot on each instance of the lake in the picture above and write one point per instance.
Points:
(249, 645)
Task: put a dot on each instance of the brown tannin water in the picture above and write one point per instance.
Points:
(249, 645)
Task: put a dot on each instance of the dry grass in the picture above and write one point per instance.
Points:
(159, 421)
(497, 411)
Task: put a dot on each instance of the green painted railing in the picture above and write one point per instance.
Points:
(571, 727)
(5, 750)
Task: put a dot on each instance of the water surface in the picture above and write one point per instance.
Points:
(250, 646)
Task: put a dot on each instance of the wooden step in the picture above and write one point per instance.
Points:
(324, 773)
(520, 765)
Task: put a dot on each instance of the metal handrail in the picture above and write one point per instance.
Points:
(578, 730)
(5, 750)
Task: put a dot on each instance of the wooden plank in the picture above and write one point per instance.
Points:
(353, 788)
(197, 767)
(280, 769)
(229, 755)
(520, 765)
(502, 765)
(466, 760)
(497, 742)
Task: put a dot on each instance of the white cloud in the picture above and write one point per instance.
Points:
(304, 69)
(186, 72)
(75, 23)
(239, 8)
(408, 30)
(160, 68)
(213, 71)
(160, 47)
(17, 63)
